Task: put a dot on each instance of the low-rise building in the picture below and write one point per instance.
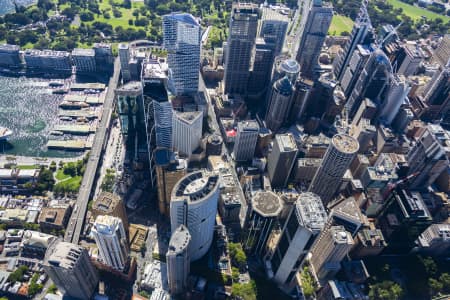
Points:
(35, 243)
(17, 181)
(54, 218)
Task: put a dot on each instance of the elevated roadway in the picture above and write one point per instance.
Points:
(76, 222)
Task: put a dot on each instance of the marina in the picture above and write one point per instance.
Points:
(49, 117)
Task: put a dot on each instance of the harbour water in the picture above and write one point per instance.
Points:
(30, 110)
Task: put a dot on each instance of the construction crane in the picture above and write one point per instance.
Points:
(391, 186)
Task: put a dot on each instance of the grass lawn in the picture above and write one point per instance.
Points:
(60, 175)
(127, 14)
(340, 24)
(415, 12)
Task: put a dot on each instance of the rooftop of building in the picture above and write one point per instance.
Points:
(53, 215)
(9, 47)
(283, 86)
(345, 143)
(169, 159)
(249, 125)
(349, 209)
(340, 235)
(309, 162)
(106, 224)
(311, 212)
(183, 17)
(372, 237)
(63, 255)
(106, 202)
(179, 240)
(189, 117)
(123, 46)
(37, 239)
(275, 13)
(267, 204)
(196, 186)
(47, 53)
(132, 86)
(290, 66)
(83, 52)
(286, 142)
(412, 204)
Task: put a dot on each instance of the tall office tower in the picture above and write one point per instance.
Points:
(9, 55)
(281, 160)
(169, 170)
(442, 53)
(111, 205)
(262, 216)
(321, 96)
(194, 204)
(131, 117)
(397, 94)
(182, 35)
(124, 58)
(409, 58)
(261, 68)
(70, 268)
(428, 156)
(331, 247)
(104, 57)
(280, 103)
(284, 66)
(351, 72)
(364, 133)
(359, 33)
(372, 83)
(437, 94)
(302, 92)
(84, 60)
(435, 240)
(111, 241)
(178, 262)
(187, 131)
(239, 49)
(163, 114)
(246, 138)
(367, 110)
(316, 28)
(273, 28)
(304, 223)
(337, 160)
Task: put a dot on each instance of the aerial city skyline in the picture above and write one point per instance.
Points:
(224, 150)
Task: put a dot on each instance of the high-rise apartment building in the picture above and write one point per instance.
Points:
(169, 170)
(70, 268)
(281, 160)
(187, 131)
(239, 48)
(337, 160)
(314, 33)
(178, 262)
(280, 102)
(182, 35)
(262, 217)
(111, 241)
(358, 36)
(124, 58)
(330, 249)
(194, 204)
(246, 138)
(304, 223)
